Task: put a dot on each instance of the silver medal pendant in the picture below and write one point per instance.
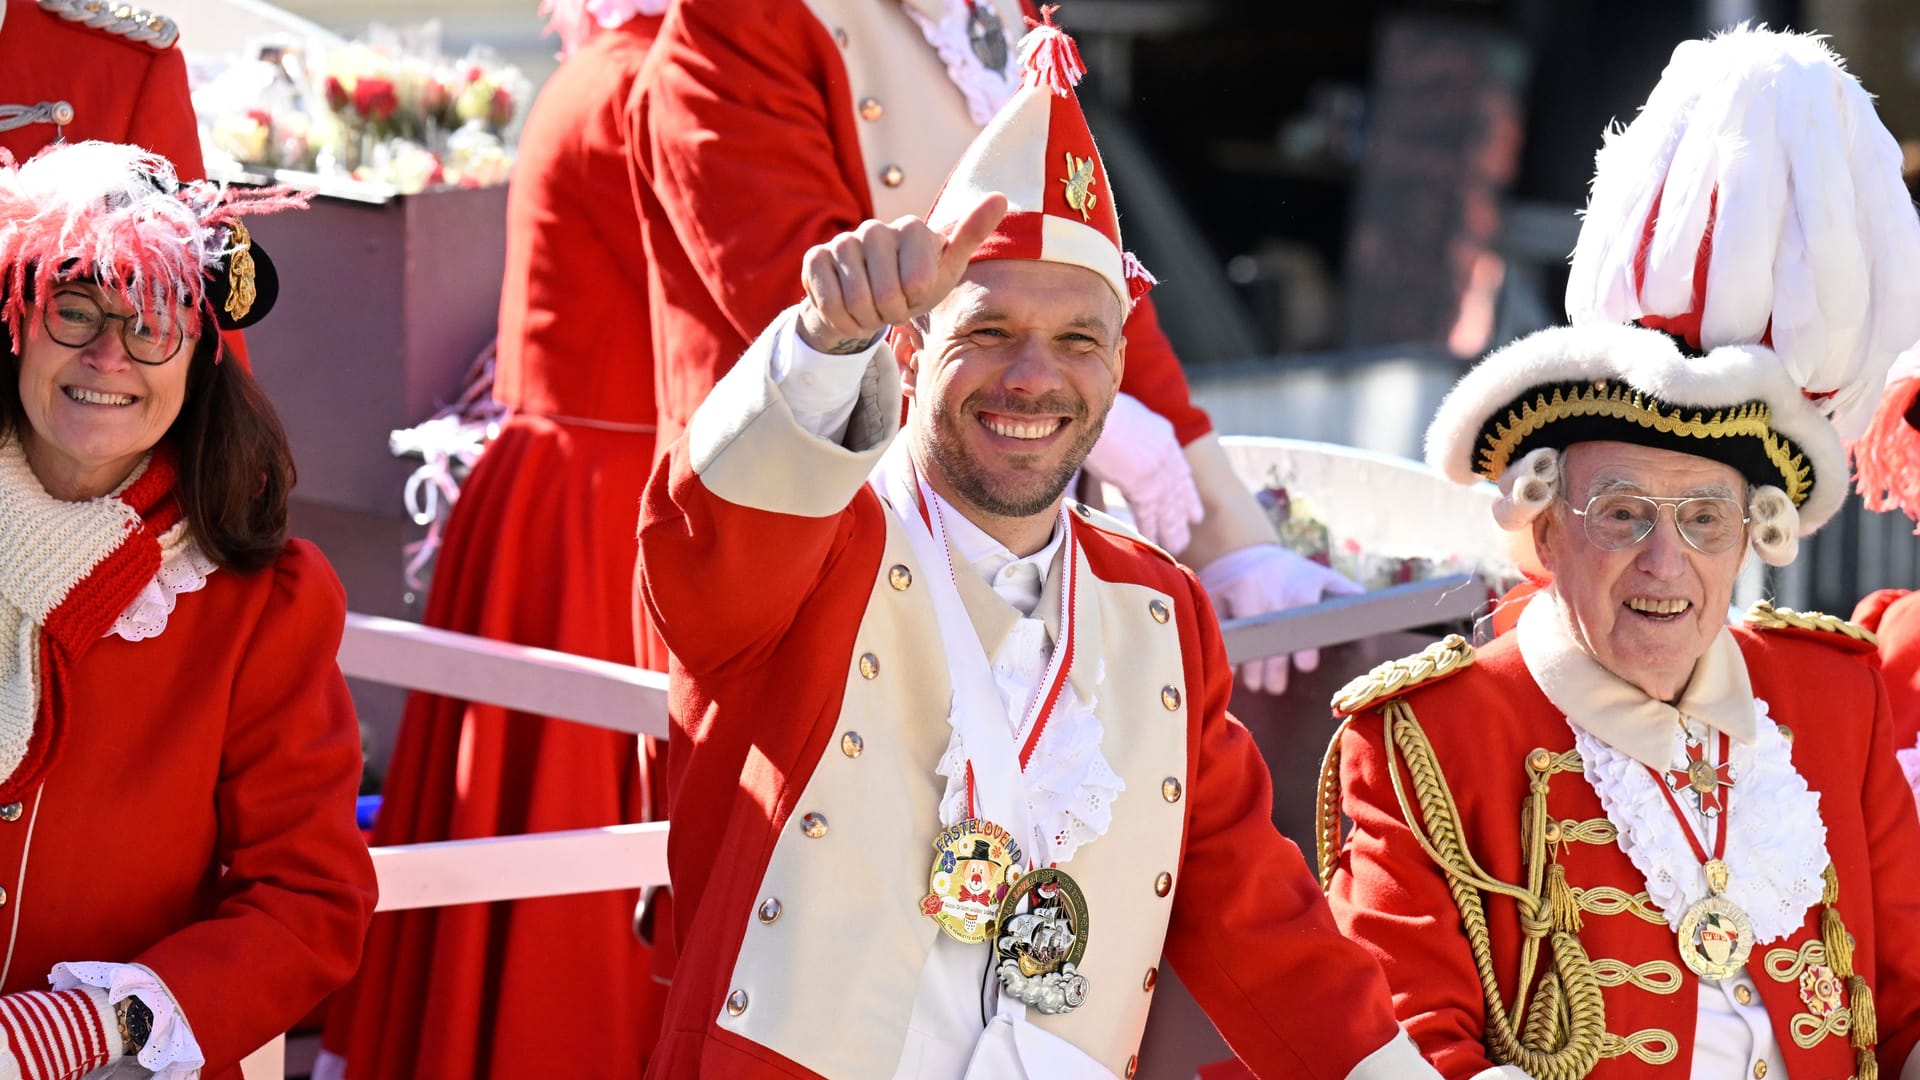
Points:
(1040, 950)
(987, 35)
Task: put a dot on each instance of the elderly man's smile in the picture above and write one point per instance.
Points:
(1659, 609)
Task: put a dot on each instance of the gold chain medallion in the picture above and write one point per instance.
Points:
(976, 863)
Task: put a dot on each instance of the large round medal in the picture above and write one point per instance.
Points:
(1715, 938)
(1040, 949)
(976, 862)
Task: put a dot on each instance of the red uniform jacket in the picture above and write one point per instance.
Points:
(200, 817)
(749, 146)
(1894, 615)
(119, 90)
(1485, 721)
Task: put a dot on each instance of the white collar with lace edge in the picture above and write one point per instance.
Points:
(1776, 841)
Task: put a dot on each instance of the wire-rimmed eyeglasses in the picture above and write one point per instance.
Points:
(1710, 525)
(75, 320)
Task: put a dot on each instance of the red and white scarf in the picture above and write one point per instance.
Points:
(67, 571)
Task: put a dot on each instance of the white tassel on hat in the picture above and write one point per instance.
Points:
(1757, 199)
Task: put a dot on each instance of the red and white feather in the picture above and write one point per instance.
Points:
(1886, 460)
(1757, 199)
(116, 214)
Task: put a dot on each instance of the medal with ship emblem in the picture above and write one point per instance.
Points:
(977, 862)
(987, 34)
(1039, 950)
(1715, 937)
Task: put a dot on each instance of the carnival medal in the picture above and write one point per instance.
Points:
(1039, 950)
(977, 863)
(1715, 937)
(987, 34)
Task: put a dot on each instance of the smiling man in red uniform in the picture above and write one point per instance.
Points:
(947, 663)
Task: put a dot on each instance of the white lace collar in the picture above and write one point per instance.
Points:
(947, 26)
(1776, 842)
(183, 569)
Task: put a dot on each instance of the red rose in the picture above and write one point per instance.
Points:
(337, 97)
(374, 98)
(930, 904)
(501, 111)
(261, 117)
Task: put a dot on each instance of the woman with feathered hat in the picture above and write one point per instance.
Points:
(180, 877)
(1628, 839)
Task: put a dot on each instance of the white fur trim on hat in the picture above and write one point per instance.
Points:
(1646, 361)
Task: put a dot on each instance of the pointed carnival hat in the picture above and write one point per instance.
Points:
(1752, 223)
(1039, 153)
(117, 216)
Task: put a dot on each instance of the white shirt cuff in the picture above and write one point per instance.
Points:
(821, 388)
(1399, 1059)
(171, 1052)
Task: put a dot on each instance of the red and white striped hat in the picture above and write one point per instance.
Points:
(1039, 153)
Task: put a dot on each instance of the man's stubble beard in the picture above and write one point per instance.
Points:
(946, 452)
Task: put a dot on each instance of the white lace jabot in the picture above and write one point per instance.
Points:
(1776, 842)
(183, 569)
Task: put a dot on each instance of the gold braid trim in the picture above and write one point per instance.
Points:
(1808, 1029)
(1326, 807)
(240, 271)
(1653, 1046)
(1618, 401)
(1654, 976)
(1786, 965)
(1591, 831)
(1767, 617)
(1438, 660)
(1561, 1038)
(1607, 900)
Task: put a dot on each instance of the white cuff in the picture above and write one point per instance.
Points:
(1397, 1060)
(1911, 1070)
(820, 388)
(171, 1052)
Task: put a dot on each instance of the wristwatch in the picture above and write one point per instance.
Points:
(136, 1024)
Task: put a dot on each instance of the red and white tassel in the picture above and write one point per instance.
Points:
(1049, 57)
(1139, 278)
(58, 1036)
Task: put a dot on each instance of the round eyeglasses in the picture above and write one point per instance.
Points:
(75, 319)
(1709, 525)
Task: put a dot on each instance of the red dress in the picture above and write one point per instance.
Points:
(120, 90)
(199, 819)
(540, 551)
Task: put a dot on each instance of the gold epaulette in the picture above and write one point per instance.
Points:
(1436, 661)
(1764, 616)
(1108, 523)
(123, 20)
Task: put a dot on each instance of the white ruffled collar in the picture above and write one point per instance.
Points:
(947, 26)
(183, 569)
(1776, 845)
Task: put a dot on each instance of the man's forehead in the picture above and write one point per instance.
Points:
(1034, 289)
(1603, 466)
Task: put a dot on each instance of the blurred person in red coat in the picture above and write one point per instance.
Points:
(768, 126)
(1886, 463)
(539, 551)
(178, 753)
(73, 71)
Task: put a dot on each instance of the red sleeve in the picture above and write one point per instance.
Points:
(1243, 942)
(1893, 842)
(1154, 375)
(744, 147)
(294, 902)
(163, 120)
(1391, 898)
(1894, 615)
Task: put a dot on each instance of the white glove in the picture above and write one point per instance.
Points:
(1266, 578)
(1139, 454)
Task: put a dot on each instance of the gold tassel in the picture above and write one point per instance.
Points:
(240, 272)
(1831, 894)
(1566, 910)
(1866, 1027)
(1865, 1066)
(1839, 943)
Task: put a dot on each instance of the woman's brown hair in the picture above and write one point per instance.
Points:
(236, 469)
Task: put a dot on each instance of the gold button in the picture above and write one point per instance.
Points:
(1785, 732)
(814, 825)
(736, 1003)
(1153, 976)
(900, 578)
(871, 109)
(770, 910)
(1133, 1063)
(840, 37)
(11, 811)
(869, 666)
(1159, 610)
(1163, 884)
(1540, 760)
(1759, 1070)
(1170, 697)
(851, 744)
(893, 176)
(1552, 832)
(62, 113)
(1170, 789)
(1743, 995)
